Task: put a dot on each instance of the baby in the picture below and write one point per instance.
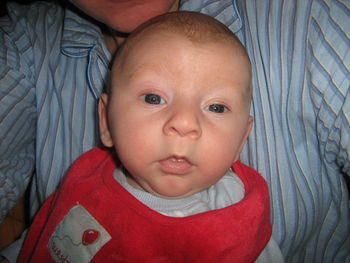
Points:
(169, 187)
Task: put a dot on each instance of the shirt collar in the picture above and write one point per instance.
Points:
(80, 36)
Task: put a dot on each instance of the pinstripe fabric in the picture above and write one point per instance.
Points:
(53, 66)
(300, 51)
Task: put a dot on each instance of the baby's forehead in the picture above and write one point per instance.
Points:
(161, 38)
(161, 45)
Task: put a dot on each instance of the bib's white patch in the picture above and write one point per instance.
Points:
(77, 238)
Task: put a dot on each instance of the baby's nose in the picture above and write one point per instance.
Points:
(184, 122)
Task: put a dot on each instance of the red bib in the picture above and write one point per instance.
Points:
(94, 219)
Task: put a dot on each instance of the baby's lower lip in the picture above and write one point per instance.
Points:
(175, 165)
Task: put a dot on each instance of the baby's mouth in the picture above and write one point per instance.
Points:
(176, 165)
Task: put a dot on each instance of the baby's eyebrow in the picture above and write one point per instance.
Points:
(146, 68)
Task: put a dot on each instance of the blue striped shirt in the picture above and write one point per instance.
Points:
(53, 66)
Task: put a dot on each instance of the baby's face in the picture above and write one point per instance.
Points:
(178, 114)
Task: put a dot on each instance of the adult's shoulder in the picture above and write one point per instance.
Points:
(28, 33)
(34, 15)
(50, 9)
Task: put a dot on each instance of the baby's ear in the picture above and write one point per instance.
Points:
(105, 135)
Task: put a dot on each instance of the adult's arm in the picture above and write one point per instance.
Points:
(17, 110)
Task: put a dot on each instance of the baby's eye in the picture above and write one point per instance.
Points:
(153, 99)
(217, 108)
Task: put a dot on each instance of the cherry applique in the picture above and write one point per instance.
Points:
(90, 236)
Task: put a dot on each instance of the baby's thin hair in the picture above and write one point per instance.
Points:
(198, 28)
